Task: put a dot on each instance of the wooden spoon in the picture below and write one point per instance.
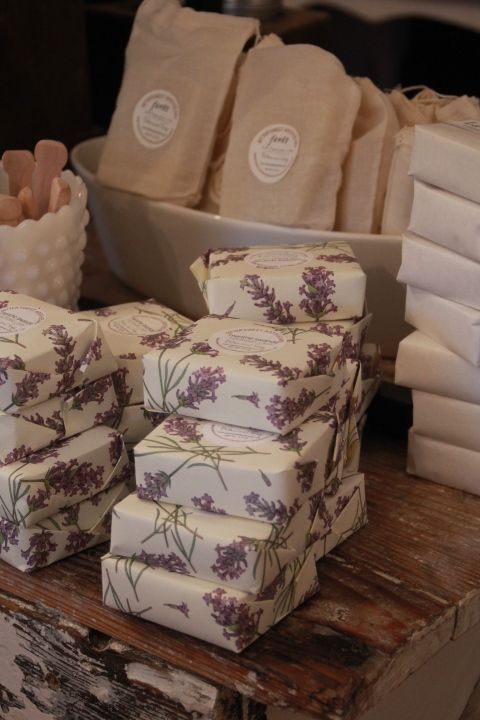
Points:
(19, 165)
(60, 194)
(51, 157)
(10, 210)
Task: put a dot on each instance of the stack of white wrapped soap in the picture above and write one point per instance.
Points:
(441, 266)
(131, 330)
(254, 473)
(62, 467)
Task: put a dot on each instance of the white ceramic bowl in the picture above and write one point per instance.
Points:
(150, 246)
(43, 258)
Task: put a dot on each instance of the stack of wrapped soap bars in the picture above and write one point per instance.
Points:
(253, 473)
(440, 361)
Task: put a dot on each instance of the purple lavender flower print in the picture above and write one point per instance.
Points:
(231, 560)
(116, 447)
(349, 350)
(73, 478)
(154, 486)
(93, 392)
(104, 312)
(283, 372)
(182, 337)
(93, 353)
(64, 346)
(171, 562)
(319, 356)
(16, 363)
(327, 328)
(270, 511)
(8, 535)
(40, 547)
(338, 258)
(54, 422)
(156, 340)
(342, 503)
(128, 356)
(276, 312)
(203, 348)
(207, 504)
(318, 290)
(291, 441)
(253, 398)
(305, 474)
(16, 454)
(202, 385)
(182, 607)
(230, 257)
(39, 500)
(236, 618)
(70, 516)
(27, 389)
(77, 540)
(283, 411)
(122, 389)
(183, 427)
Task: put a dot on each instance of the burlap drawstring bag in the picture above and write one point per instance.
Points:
(210, 201)
(178, 69)
(291, 130)
(399, 196)
(365, 173)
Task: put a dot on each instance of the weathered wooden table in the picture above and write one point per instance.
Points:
(391, 597)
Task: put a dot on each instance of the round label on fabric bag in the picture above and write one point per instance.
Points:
(273, 151)
(17, 319)
(155, 118)
(247, 340)
(138, 324)
(272, 259)
(233, 435)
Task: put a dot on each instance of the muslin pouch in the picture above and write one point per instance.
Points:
(365, 173)
(399, 195)
(460, 108)
(411, 111)
(210, 201)
(178, 69)
(291, 130)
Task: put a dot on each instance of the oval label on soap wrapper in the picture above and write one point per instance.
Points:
(273, 259)
(273, 151)
(18, 319)
(138, 324)
(247, 340)
(155, 118)
(232, 435)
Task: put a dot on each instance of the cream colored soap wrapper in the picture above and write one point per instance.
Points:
(442, 463)
(291, 130)
(399, 193)
(437, 270)
(446, 219)
(178, 68)
(423, 364)
(448, 420)
(455, 326)
(283, 285)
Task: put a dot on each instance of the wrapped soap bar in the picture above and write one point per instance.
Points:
(31, 429)
(447, 155)
(268, 378)
(69, 531)
(423, 364)
(455, 326)
(451, 421)
(283, 285)
(61, 475)
(46, 351)
(443, 463)
(214, 612)
(131, 330)
(246, 554)
(239, 471)
(446, 219)
(136, 423)
(432, 267)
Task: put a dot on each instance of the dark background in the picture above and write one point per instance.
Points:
(61, 61)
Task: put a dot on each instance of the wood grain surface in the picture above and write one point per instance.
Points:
(390, 597)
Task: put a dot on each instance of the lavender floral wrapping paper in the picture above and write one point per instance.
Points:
(245, 554)
(443, 463)
(61, 475)
(283, 285)
(136, 423)
(214, 612)
(32, 429)
(370, 357)
(69, 531)
(131, 330)
(448, 420)
(243, 472)
(267, 377)
(46, 351)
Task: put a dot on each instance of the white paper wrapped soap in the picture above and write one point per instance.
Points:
(246, 554)
(34, 428)
(443, 463)
(214, 612)
(46, 351)
(131, 330)
(446, 219)
(451, 324)
(63, 474)
(451, 421)
(423, 364)
(265, 377)
(283, 285)
(69, 531)
(447, 155)
(442, 272)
